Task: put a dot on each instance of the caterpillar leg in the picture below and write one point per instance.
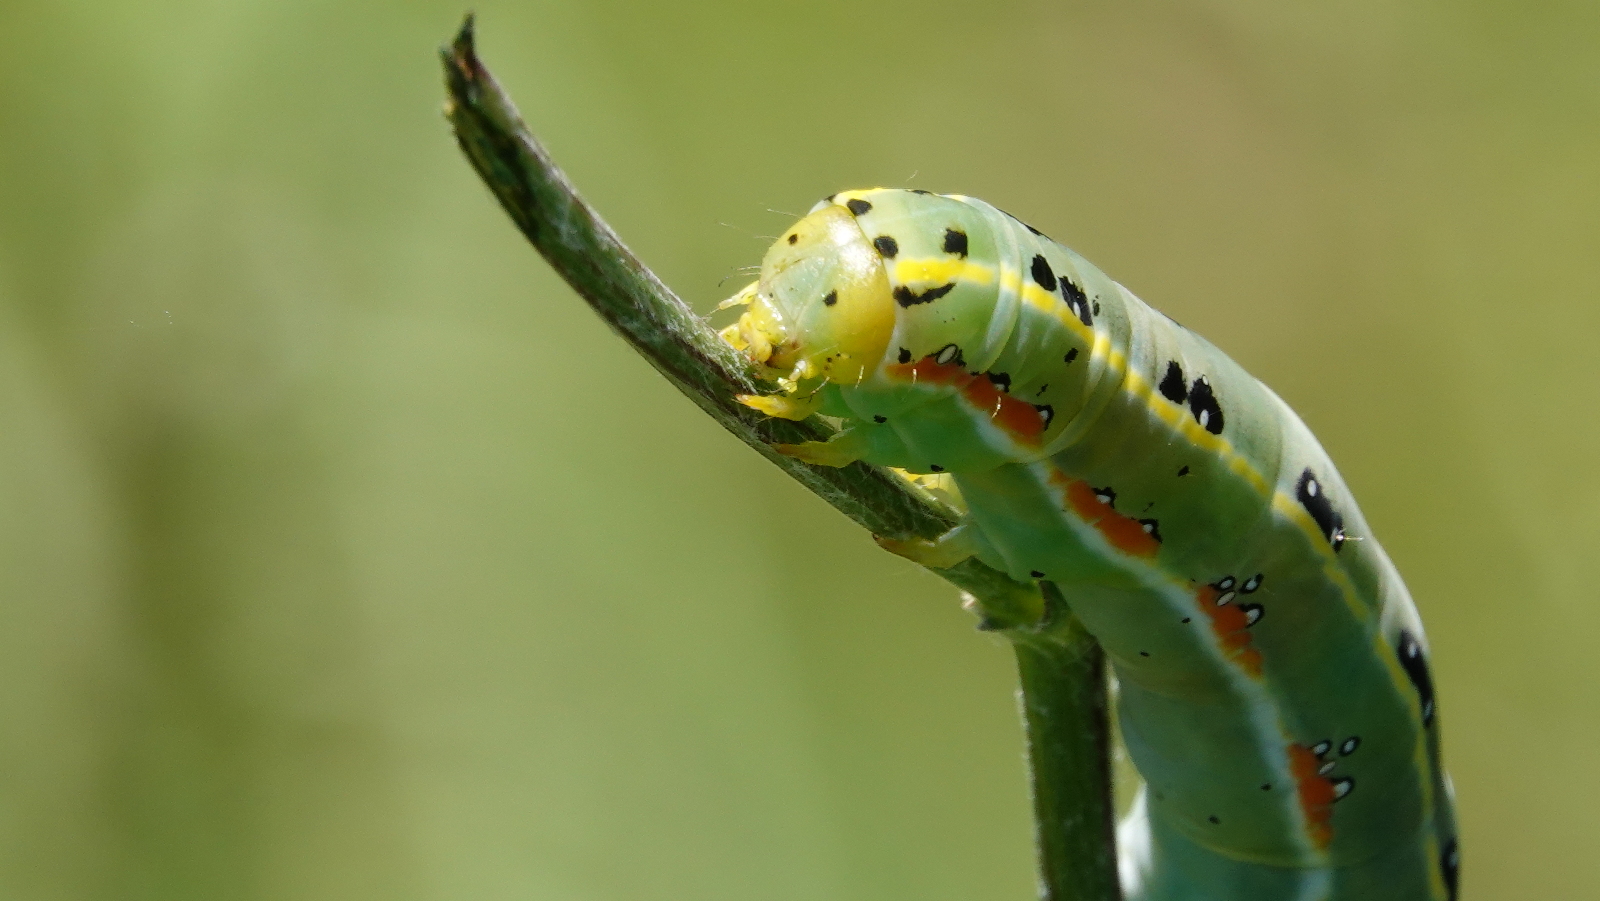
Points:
(954, 546)
(783, 406)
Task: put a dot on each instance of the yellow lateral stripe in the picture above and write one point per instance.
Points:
(943, 271)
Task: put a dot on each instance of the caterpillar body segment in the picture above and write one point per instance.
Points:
(1275, 693)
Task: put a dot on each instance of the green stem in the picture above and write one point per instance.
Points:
(1063, 676)
(645, 313)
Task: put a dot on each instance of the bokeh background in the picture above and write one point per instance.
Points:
(345, 555)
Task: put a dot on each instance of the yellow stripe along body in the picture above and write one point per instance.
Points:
(1274, 692)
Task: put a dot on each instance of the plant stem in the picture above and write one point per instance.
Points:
(1060, 667)
(1063, 676)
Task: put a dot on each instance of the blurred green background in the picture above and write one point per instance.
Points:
(345, 555)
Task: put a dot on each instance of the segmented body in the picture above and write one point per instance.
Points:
(1274, 690)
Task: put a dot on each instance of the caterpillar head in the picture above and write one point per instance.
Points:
(822, 310)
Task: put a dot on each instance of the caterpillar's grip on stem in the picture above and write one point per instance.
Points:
(1071, 792)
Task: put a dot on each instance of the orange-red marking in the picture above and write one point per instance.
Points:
(1316, 792)
(1231, 625)
(1124, 533)
(1018, 419)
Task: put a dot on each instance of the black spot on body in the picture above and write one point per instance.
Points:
(857, 207)
(793, 238)
(1349, 746)
(1076, 300)
(1183, 472)
(1043, 275)
(1266, 786)
(1047, 413)
(1314, 498)
(1184, 620)
(1415, 664)
(1001, 380)
(935, 467)
(1214, 821)
(1342, 787)
(1097, 307)
(1450, 868)
(1024, 224)
(887, 246)
(955, 242)
(1151, 528)
(1036, 574)
(1071, 355)
(920, 191)
(880, 419)
(1252, 614)
(1173, 386)
(831, 298)
(1042, 389)
(905, 356)
(1203, 404)
(907, 297)
(949, 355)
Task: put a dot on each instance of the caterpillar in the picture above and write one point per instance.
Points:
(1274, 689)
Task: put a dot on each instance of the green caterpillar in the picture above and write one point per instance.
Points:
(1274, 689)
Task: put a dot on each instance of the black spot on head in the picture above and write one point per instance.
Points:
(1001, 380)
(1076, 300)
(1043, 275)
(1071, 355)
(793, 238)
(1047, 413)
(1183, 472)
(1415, 664)
(1314, 498)
(831, 298)
(880, 419)
(1173, 387)
(934, 467)
(887, 246)
(955, 242)
(1450, 868)
(905, 356)
(1036, 574)
(1203, 404)
(907, 297)
(857, 207)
